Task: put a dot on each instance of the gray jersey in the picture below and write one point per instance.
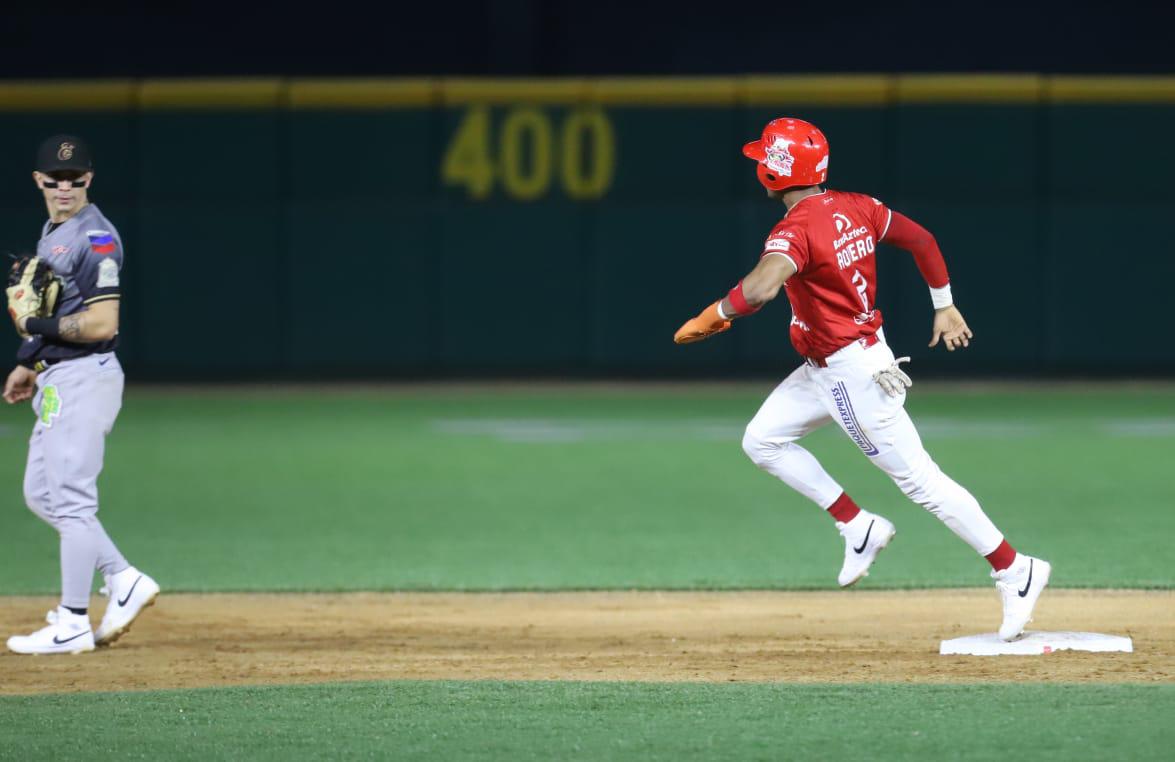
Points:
(86, 251)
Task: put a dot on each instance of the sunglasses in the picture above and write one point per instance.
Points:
(73, 178)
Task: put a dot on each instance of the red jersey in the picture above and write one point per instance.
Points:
(831, 238)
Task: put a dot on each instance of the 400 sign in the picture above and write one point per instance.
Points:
(530, 151)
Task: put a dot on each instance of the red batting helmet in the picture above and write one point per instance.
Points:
(791, 152)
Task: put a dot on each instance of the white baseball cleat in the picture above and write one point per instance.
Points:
(130, 592)
(1020, 585)
(67, 633)
(865, 536)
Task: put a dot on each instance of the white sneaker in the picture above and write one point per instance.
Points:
(865, 536)
(130, 592)
(1020, 585)
(67, 633)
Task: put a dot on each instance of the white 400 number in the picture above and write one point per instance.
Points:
(525, 159)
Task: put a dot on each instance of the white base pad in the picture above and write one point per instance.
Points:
(1035, 643)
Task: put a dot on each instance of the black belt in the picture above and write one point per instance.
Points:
(41, 365)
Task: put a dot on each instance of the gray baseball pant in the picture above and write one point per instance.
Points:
(76, 404)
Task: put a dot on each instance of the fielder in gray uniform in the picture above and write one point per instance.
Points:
(67, 366)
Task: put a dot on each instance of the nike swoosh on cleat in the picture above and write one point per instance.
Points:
(58, 641)
(130, 592)
(866, 540)
(1027, 586)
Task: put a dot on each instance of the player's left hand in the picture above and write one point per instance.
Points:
(32, 291)
(950, 326)
(703, 326)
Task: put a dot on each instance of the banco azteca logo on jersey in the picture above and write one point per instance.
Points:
(842, 221)
(779, 158)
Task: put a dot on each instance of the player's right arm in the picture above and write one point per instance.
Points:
(759, 287)
(784, 248)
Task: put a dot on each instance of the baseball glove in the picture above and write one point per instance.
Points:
(33, 290)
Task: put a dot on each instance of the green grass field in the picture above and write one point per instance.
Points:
(562, 489)
(553, 490)
(620, 721)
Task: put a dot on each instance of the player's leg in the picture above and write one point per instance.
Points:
(69, 628)
(879, 425)
(72, 430)
(80, 402)
(793, 410)
(788, 413)
(98, 380)
(50, 452)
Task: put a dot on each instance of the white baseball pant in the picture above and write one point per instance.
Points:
(878, 424)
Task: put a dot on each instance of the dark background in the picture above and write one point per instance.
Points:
(287, 244)
(531, 37)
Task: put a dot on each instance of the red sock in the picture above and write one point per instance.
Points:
(844, 509)
(1002, 557)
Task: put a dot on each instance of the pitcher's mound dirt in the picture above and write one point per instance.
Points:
(208, 640)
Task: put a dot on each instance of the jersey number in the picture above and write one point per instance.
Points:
(862, 289)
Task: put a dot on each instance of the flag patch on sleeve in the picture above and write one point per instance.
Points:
(101, 241)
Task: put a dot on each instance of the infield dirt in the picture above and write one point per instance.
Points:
(190, 640)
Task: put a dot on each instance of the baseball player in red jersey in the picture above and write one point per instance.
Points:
(823, 254)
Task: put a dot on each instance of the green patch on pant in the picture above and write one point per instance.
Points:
(50, 404)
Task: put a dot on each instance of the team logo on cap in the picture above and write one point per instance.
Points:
(65, 152)
(779, 158)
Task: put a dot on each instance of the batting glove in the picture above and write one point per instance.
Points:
(708, 323)
(892, 379)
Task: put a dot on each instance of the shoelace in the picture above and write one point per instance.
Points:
(1008, 593)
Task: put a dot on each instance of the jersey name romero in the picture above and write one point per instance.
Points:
(831, 238)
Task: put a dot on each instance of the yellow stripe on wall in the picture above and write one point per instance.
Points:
(818, 90)
(665, 91)
(68, 96)
(228, 94)
(982, 88)
(1111, 90)
(363, 94)
(864, 90)
(463, 92)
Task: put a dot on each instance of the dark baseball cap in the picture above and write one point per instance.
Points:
(64, 152)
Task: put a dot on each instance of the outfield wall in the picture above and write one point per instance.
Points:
(395, 228)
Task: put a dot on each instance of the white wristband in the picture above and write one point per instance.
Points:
(941, 297)
(721, 314)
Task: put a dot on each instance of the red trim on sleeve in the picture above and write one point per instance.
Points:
(909, 235)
